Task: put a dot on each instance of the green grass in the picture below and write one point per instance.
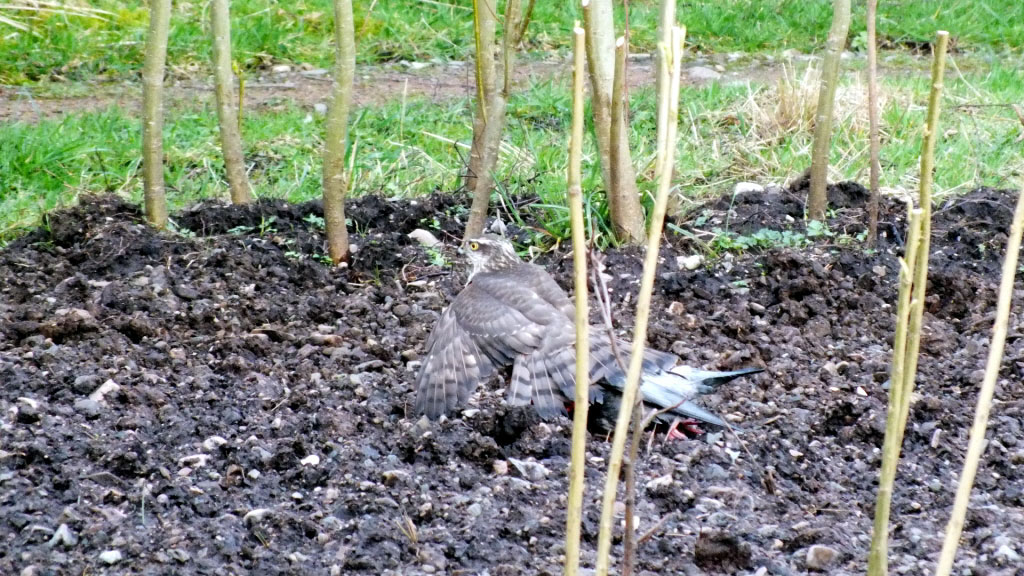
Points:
(299, 31)
(421, 147)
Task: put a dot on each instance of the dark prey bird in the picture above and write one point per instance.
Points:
(513, 312)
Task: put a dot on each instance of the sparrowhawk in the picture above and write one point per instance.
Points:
(513, 312)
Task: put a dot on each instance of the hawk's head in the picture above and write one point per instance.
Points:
(490, 253)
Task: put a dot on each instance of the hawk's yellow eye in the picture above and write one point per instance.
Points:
(474, 246)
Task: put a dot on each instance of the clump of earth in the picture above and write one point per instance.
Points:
(221, 402)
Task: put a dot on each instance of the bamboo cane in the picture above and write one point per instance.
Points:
(579, 422)
(976, 444)
(877, 565)
(907, 340)
(925, 203)
(629, 392)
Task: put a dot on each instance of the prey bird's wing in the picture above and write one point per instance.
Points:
(603, 361)
(498, 318)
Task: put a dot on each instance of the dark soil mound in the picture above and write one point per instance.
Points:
(221, 402)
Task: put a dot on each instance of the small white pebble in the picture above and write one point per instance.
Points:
(110, 557)
(255, 515)
(194, 460)
(297, 557)
(311, 460)
(28, 402)
(214, 442)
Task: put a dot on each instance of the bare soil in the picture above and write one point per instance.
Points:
(223, 403)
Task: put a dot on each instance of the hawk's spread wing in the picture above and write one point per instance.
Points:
(497, 319)
(451, 370)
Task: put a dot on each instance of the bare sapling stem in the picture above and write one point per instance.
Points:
(976, 443)
(617, 172)
(600, 31)
(479, 174)
(492, 101)
(623, 201)
(873, 140)
(579, 254)
(335, 177)
(816, 198)
(629, 392)
(230, 133)
(629, 540)
(154, 195)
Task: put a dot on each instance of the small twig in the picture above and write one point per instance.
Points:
(980, 105)
(605, 306)
(629, 544)
(1020, 115)
(873, 138)
(367, 19)
(443, 5)
(654, 529)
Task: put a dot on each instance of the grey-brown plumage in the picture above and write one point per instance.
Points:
(513, 312)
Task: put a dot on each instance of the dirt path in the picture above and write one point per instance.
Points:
(308, 88)
(225, 404)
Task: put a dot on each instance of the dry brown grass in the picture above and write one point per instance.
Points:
(788, 108)
(779, 123)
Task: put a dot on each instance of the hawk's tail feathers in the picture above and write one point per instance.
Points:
(547, 398)
(520, 390)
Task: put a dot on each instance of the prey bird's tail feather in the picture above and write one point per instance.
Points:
(711, 378)
(674, 389)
